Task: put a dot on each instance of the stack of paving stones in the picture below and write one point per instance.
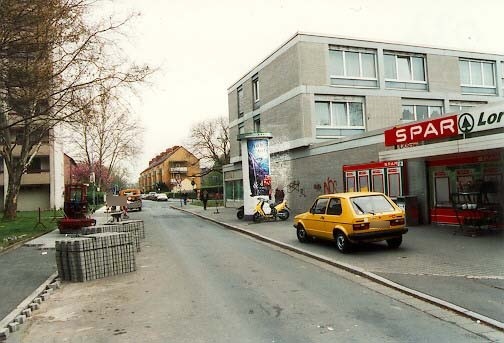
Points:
(136, 227)
(95, 256)
(16, 319)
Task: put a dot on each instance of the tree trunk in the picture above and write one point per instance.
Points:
(10, 211)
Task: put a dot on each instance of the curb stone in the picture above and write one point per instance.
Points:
(25, 309)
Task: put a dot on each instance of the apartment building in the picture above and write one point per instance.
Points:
(42, 185)
(323, 103)
(176, 167)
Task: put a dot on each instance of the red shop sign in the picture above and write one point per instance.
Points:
(423, 131)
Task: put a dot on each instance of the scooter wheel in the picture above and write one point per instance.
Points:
(240, 214)
(257, 217)
(283, 215)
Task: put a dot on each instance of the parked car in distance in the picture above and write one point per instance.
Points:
(151, 196)
(351, 218)
(133, 200)
(161, 197)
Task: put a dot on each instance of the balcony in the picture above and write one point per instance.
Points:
(178, 170)
(42, 178)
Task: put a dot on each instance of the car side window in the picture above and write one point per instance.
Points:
(334, 207)
(320, 206)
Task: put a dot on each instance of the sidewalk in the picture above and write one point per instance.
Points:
(462, 270)
(28, 266)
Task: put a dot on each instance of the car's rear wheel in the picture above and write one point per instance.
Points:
(394, 243)
(342, 242)
(301, 234)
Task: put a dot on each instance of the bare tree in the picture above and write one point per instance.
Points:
(105, 134)
(209, 141)
(54, 62)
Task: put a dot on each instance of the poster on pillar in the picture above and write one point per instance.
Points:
(259, 166)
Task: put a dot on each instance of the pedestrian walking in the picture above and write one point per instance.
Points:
(204, 198)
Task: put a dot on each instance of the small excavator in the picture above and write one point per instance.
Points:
(76, 210)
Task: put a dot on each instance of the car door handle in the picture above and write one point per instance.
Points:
(322, 217)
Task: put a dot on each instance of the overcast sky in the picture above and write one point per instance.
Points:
(202, 47)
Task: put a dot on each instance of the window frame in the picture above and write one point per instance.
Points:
(492, 89)
(257, 123)
(239, 98)
(338, 202)
(415, 111)
(345, 76)
(410, 57)
(314, 206)
(347, 113)
(502, 77)
(255, 89)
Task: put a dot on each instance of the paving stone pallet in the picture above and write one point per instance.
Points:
(95, 256)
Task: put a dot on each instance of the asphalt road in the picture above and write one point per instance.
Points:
(198, 282)
(22, 271)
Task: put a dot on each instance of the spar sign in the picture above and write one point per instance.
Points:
(480, 118)
(422, 131)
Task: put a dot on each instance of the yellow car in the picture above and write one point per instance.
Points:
(353, 217)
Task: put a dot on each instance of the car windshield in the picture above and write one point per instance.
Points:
(371, 204)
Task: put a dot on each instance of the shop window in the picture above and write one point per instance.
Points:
(352, 68)
(234, 190)
(442, 190)
(378, 183)
(394, 185)
(477, 77)
(403, 71)
(363, 181)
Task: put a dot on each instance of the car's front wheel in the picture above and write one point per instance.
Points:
(342, 242)
(394, 243)
(301, 234)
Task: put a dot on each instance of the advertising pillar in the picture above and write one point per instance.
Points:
(256, 169)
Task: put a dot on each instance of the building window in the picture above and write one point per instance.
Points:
(477, 77)
(241, 131)
(239, 93)
(420, 112)
(502, 77)
(463, 106)
(352, 68)
(339, 114)
(403, 71)
(255, 88)
(257, 123)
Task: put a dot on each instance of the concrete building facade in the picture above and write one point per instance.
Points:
(42, 186)
(328, 100)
